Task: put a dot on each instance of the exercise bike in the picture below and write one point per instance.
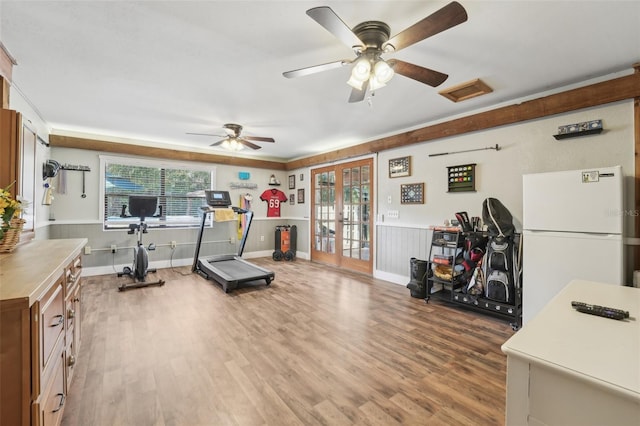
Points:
(140, 206)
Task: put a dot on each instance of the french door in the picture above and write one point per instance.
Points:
(341, 215)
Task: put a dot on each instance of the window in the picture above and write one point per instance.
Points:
(179, 187)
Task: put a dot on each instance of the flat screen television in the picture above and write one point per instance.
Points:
(142, 206)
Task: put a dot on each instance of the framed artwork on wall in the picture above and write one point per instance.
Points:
(412, 193)
(301, 196)
(292, 198)
(399, 167)
(292, 181)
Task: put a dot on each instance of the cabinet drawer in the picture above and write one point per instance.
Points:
(52, 316)
(48, 411)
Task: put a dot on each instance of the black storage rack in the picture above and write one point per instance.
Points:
(446, 244)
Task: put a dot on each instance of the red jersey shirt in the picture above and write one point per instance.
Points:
(274, 198)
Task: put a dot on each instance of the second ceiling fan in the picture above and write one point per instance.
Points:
(235, 142)
(370, 40)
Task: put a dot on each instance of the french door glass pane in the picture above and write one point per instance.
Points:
(325, 208)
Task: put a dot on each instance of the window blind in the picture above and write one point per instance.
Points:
(179, 189)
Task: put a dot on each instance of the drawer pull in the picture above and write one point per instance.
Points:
(72, 361)
(71, 314)
(61, 395)
(60, 320)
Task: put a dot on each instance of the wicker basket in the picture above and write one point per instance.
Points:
(12, 235)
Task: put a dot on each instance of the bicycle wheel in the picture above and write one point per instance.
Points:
(142, 263)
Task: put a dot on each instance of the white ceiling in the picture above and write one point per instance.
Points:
(154, 70)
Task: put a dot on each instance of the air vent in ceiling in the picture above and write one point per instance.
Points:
(467, 90)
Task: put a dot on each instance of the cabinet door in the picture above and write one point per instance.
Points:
(50, 406)
(9, 149)
(51, 335)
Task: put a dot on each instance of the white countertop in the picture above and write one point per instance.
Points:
(590, 347)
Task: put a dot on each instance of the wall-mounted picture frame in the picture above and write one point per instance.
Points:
(292, 181)
(400, 167)
(412, 193)
(301, 177)
(301, 196)
(292, 198)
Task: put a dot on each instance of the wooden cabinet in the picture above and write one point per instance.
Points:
(10, 125)
(39, 306)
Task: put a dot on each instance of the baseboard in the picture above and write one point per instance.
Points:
(393, 278)
(163, 264)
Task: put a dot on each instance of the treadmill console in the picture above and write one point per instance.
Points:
(218, 198)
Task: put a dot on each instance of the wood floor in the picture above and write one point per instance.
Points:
(318, 347)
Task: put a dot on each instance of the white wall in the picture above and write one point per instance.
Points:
(525, 148)
(71, 207)
(528, 147)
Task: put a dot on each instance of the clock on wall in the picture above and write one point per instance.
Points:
(412, 193)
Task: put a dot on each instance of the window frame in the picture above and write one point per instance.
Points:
(153, 163)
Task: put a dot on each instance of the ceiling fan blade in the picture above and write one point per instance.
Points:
(358, 95)
(218, 143)
(258, 138)
(246, 143)
(316, 68)
(445, 18)
(326, 17)
(201, 134)
(418, 73)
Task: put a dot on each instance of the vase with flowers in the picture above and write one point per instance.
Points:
(11, 225)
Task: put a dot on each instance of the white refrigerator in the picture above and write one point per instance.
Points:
(572, 229)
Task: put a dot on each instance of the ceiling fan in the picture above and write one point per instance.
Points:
(370, 40)
(233, 141)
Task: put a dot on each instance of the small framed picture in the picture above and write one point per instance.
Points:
(292, 181)
(292, 198)
(301, 177)
(412, 193)
(399, 167)
(301, 196)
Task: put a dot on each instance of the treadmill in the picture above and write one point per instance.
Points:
(229, 270)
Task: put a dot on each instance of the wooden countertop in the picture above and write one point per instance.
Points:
(29, 269)
(598, 350)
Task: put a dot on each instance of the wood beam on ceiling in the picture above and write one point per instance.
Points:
(170, 154)
(627, 87)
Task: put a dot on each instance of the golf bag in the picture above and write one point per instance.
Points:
(503, 269)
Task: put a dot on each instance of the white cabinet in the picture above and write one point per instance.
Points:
(569, 368)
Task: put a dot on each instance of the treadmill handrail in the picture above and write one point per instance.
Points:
(208, 209)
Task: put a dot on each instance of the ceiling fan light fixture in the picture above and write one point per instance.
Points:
(361, 69)
(375, 83)
(355, 82)
(235, 145)
(382, 72)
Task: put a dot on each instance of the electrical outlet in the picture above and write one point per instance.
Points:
(114, 248)
(87, 249)
(173, 244)
(261, 237)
